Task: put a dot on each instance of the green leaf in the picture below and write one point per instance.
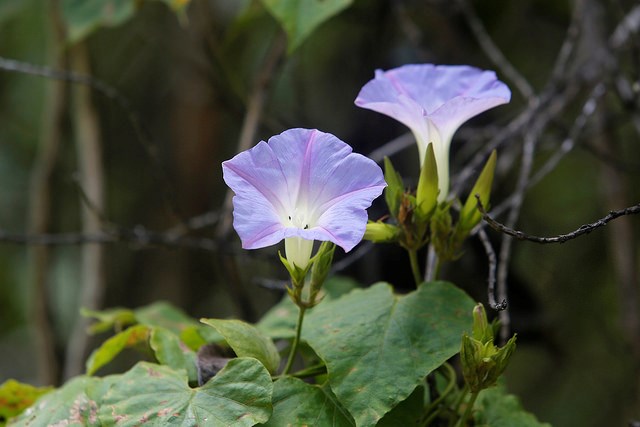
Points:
(379, 346)
(247, 341)
(296, 403)
(300, 17)
(163, 314)
(113, 318)
(113, 346)
(239, 395)
(170, 351)
(196, 336)
(496, 408)
(70, 405)
(83, 17)
(15, 397)
(407, 412)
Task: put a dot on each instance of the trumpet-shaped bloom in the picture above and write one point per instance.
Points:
(433, 101)
(302, 185)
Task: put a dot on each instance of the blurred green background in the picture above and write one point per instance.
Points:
(194, 79)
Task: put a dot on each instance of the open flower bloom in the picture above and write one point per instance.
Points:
(303, 185)
(433, 101)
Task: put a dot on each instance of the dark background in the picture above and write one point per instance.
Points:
(140, 168)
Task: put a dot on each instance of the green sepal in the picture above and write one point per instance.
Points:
(297, 274)
(395, 188)
(427, 192)
(470, 216)
(483, 362)
(380, 232)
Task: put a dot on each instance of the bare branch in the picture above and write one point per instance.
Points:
(561, 238)
(491, 281)
(138, 235)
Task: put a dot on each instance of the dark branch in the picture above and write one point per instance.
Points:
(139, 235)
(584, 229)
(491, 281)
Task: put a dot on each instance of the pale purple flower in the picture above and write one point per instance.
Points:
(433, 101)
(303, 185)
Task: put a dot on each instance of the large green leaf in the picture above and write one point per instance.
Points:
(296, 403)
(407, 412)
(379, 346)
(247, 341)
(15, 397)
(496, 408)
(300, 17)
(239, 395)
(71, 405)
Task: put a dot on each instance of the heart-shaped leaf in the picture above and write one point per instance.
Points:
(69, 405)
(239, 395)
(300, 17)
(379, 346)
(296, 403)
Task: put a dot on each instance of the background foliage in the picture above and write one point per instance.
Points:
(197, 81)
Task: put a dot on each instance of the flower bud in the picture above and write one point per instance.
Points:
(395, 188)
(427, 192)
(380, 232)
(470, 216)
(482, 361)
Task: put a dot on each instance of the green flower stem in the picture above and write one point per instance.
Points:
(433, 265)
(296, 340)
(463, 420)
(450, 374)
(415, 267)
(458, 402)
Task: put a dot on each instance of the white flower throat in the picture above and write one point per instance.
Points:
(299, 218)
(298, 250)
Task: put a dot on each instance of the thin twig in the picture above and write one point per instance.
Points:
(561, 238)
(491, 280)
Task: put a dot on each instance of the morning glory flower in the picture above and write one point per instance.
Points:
(433, 101)
(300, 186)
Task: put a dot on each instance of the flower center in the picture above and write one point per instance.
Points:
(299, 219)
